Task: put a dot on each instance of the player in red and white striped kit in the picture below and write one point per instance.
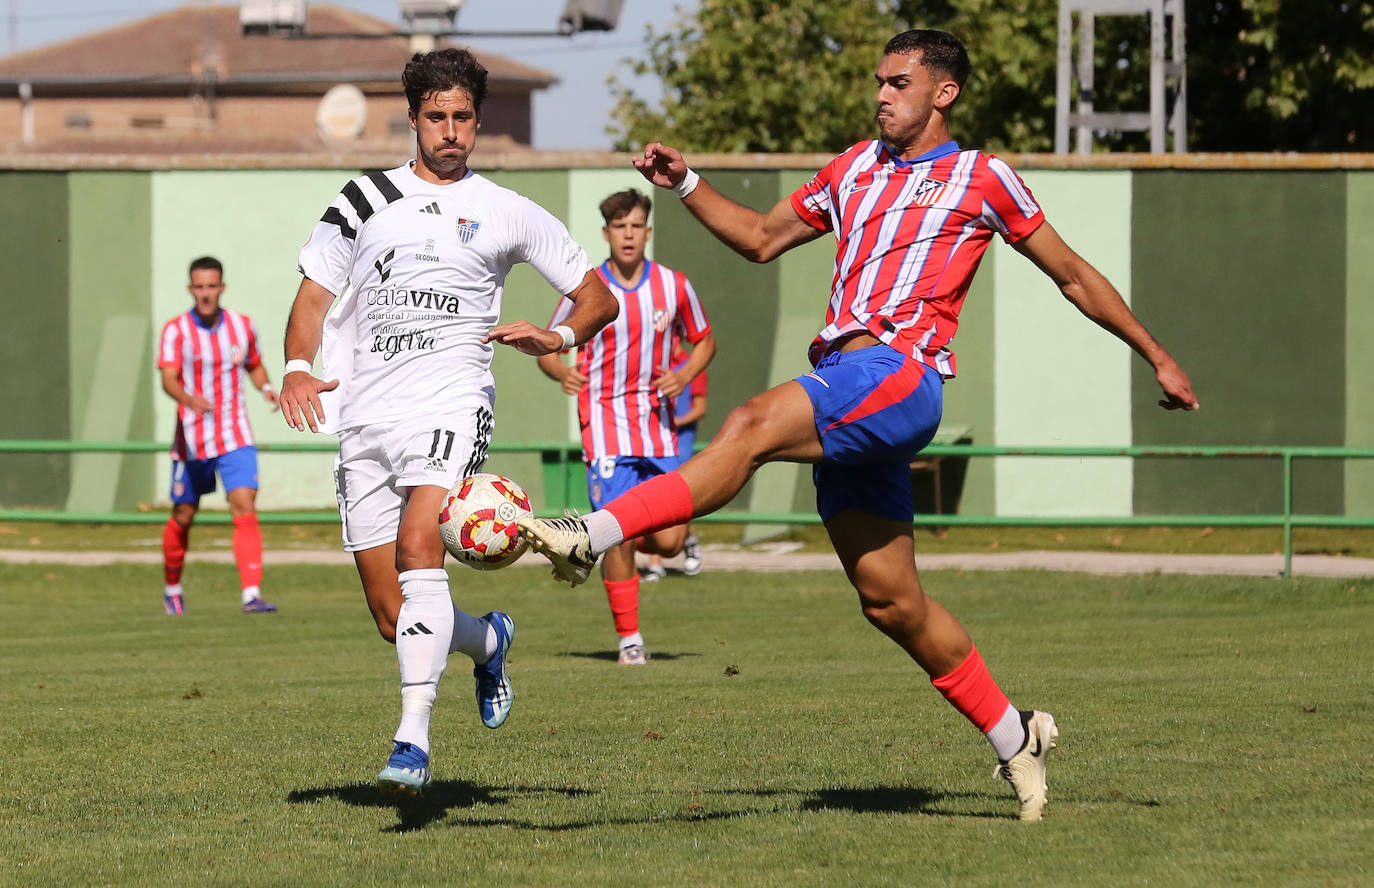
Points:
(202, 358)
(911, 214)
(625, 386)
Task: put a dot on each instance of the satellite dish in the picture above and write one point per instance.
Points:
(342, 114)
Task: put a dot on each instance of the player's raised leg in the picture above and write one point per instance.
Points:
(776, 425)
(878, 556)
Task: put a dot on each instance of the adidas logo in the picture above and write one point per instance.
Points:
(432, 209)
(418, 629)
(434, 465)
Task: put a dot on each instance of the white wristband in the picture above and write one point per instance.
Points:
(300, 364)
(688, 184)
(267, 389)
(569, 337)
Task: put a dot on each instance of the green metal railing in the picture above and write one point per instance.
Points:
(567, 454)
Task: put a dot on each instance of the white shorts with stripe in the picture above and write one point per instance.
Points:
(377, 463)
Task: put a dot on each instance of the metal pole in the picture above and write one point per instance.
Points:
(1180, 56)
(1087, 42)
(1288, 515)
(1061, 80)
(1157, 76)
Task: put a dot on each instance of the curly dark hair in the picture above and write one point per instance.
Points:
(939, 51)
(622, 202)
(442, 69)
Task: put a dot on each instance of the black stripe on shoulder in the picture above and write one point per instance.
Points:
(355, 196)
(334, 217)
(388, 189)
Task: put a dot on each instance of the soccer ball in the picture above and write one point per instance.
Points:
(477, 522)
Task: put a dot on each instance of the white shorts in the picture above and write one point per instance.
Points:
(377, 463)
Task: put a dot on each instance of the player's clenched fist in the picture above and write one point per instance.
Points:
(300, 400)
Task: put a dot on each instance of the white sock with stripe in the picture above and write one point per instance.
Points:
(424, 631)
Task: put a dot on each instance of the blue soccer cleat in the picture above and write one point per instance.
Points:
(406, 772)
(173, 605)
(494, 692)
(258, 606)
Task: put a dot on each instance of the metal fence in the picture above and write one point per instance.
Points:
(567, 455)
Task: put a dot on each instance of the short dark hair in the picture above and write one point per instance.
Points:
(443, 69)
(939, 51)
(622, 202)
(206, 263)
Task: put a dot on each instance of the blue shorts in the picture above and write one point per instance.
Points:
(193, 478)
(875, 409)
(610, 476)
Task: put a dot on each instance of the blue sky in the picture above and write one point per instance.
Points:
(574, 114)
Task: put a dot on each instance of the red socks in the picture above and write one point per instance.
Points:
(174, 538)
(248, 550)
(624, 598)
(660, 502)
(971, 690)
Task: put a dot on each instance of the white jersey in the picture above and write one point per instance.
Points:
(419, 270)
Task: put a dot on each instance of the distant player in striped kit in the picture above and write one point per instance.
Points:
(202, 358)
(625, 386)
(911, 214)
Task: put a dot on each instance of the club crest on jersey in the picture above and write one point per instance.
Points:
(929, 191)
(660, 319)
(235, 354)
(467, 230)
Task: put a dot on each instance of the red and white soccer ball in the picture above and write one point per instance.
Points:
(477, 521)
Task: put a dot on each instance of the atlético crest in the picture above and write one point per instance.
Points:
(467, 230)
(928, 192)
(660, 320)
(235, 355)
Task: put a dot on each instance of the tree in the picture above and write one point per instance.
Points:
(768, 75)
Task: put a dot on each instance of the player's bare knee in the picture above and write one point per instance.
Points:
(893, 611)
(744, 432)
(418, 549)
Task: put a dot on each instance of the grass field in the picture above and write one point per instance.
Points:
(1336, 541)
(1214, 731)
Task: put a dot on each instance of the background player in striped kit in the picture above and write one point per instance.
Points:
(625, 392)
(912, 214)
(202, 358)
(418, 256)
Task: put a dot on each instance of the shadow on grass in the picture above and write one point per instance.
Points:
(448, 799)
(612, 656)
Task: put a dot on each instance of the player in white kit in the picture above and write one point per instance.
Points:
(417, 259)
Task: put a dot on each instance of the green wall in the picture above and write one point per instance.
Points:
(1258, 281)
(1241, 275)
(35, 400)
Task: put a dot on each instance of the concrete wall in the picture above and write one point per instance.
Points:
(1258, 281)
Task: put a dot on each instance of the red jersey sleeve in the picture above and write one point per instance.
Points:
(698, 387)
(1008, 206)
(169, 351)
(690, 314)
(812, 201)
(252, 358)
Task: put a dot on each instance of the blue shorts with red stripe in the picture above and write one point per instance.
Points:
(193, 478)
(610, 476)
(875, 409)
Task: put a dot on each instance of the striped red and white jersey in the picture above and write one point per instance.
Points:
(210, 362)
(909, 237)
(619, 410)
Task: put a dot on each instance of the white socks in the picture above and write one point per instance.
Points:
(631, 640)
(604, 531)
(173, 589)
(250, 592)
(1008, 735)
(473, 636)
(424, 631)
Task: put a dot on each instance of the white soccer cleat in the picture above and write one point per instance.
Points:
(1025, 771)
(565, 542)
(633, 655)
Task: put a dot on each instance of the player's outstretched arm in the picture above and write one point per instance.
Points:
(300, 391)
(758, 237)
(593, 308)
(1098, 300)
